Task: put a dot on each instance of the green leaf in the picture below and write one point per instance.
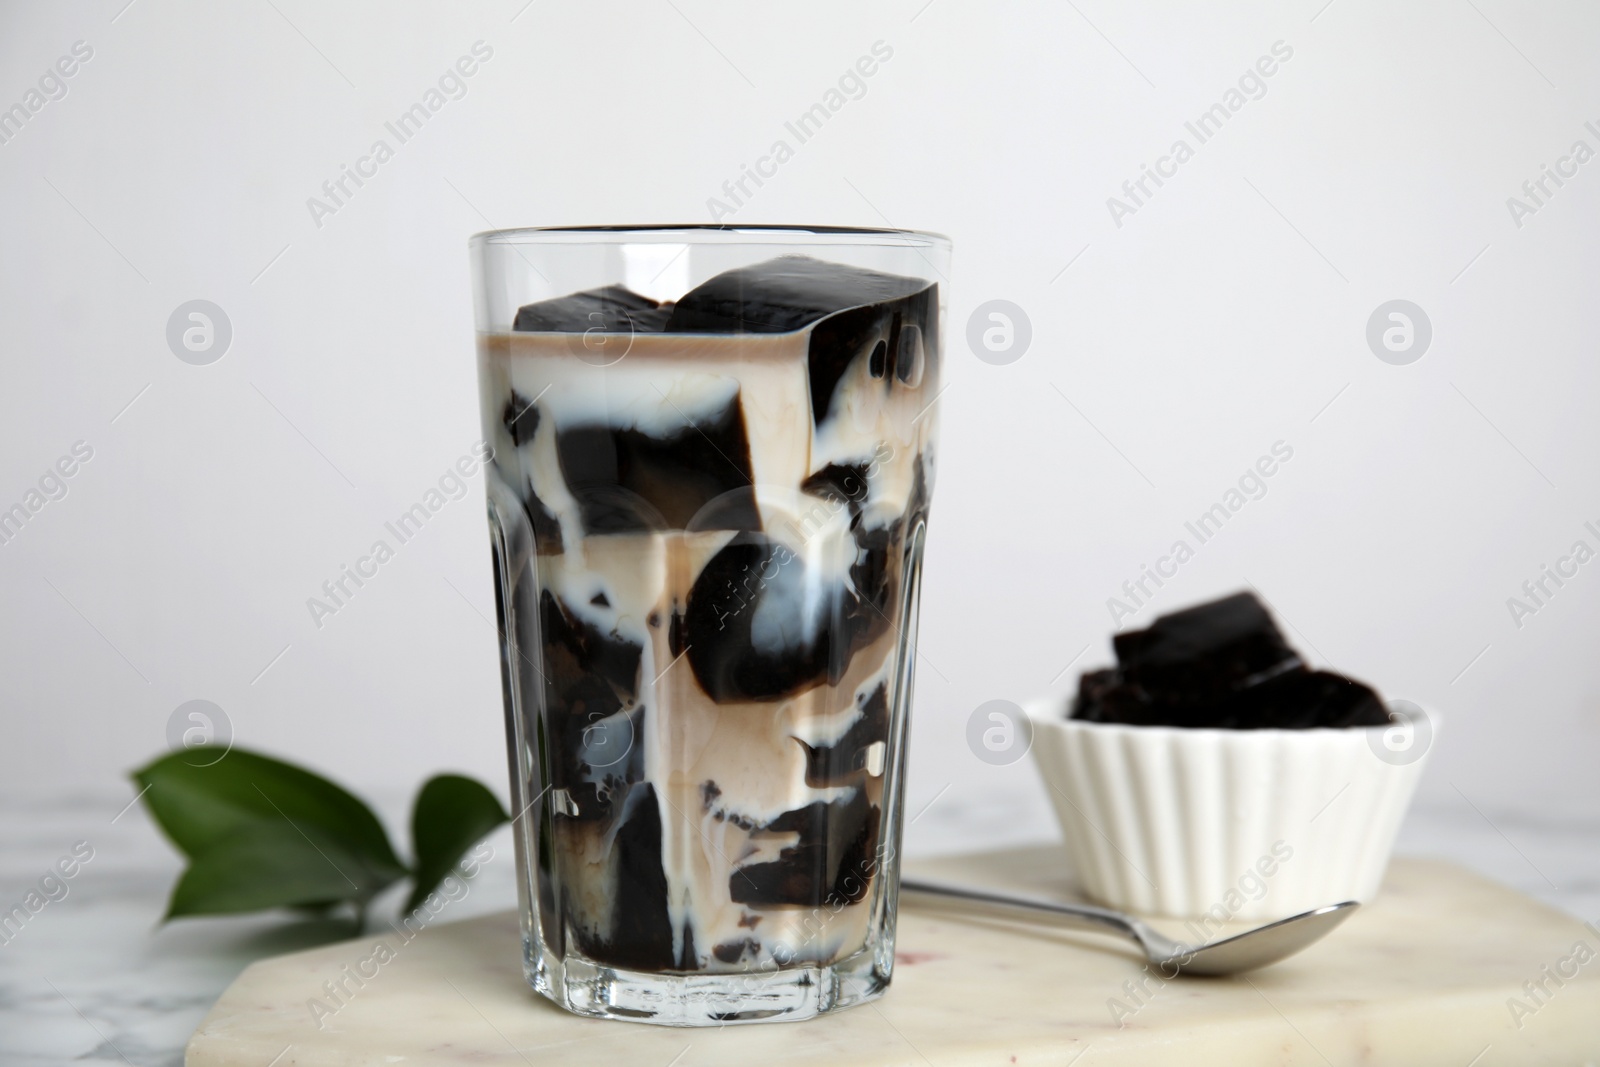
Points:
(198, 806)
(271, 866)
(261, 833)
(451, 815)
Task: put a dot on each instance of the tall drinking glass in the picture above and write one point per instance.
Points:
(712, 460)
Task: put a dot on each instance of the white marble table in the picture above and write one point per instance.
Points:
(93, 979)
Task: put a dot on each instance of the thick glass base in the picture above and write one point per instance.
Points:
(789, 995)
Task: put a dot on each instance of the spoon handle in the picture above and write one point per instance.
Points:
(1082, 915)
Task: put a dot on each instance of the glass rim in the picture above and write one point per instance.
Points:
(710, 233)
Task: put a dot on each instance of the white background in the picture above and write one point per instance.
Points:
(1227, 313)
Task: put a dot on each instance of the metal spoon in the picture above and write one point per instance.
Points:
(1232, 955)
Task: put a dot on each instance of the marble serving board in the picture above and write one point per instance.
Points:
(1432, 972)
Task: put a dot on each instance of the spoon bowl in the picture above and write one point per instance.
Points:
(1247, 951)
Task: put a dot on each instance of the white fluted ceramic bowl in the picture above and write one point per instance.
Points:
(1226, 825)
